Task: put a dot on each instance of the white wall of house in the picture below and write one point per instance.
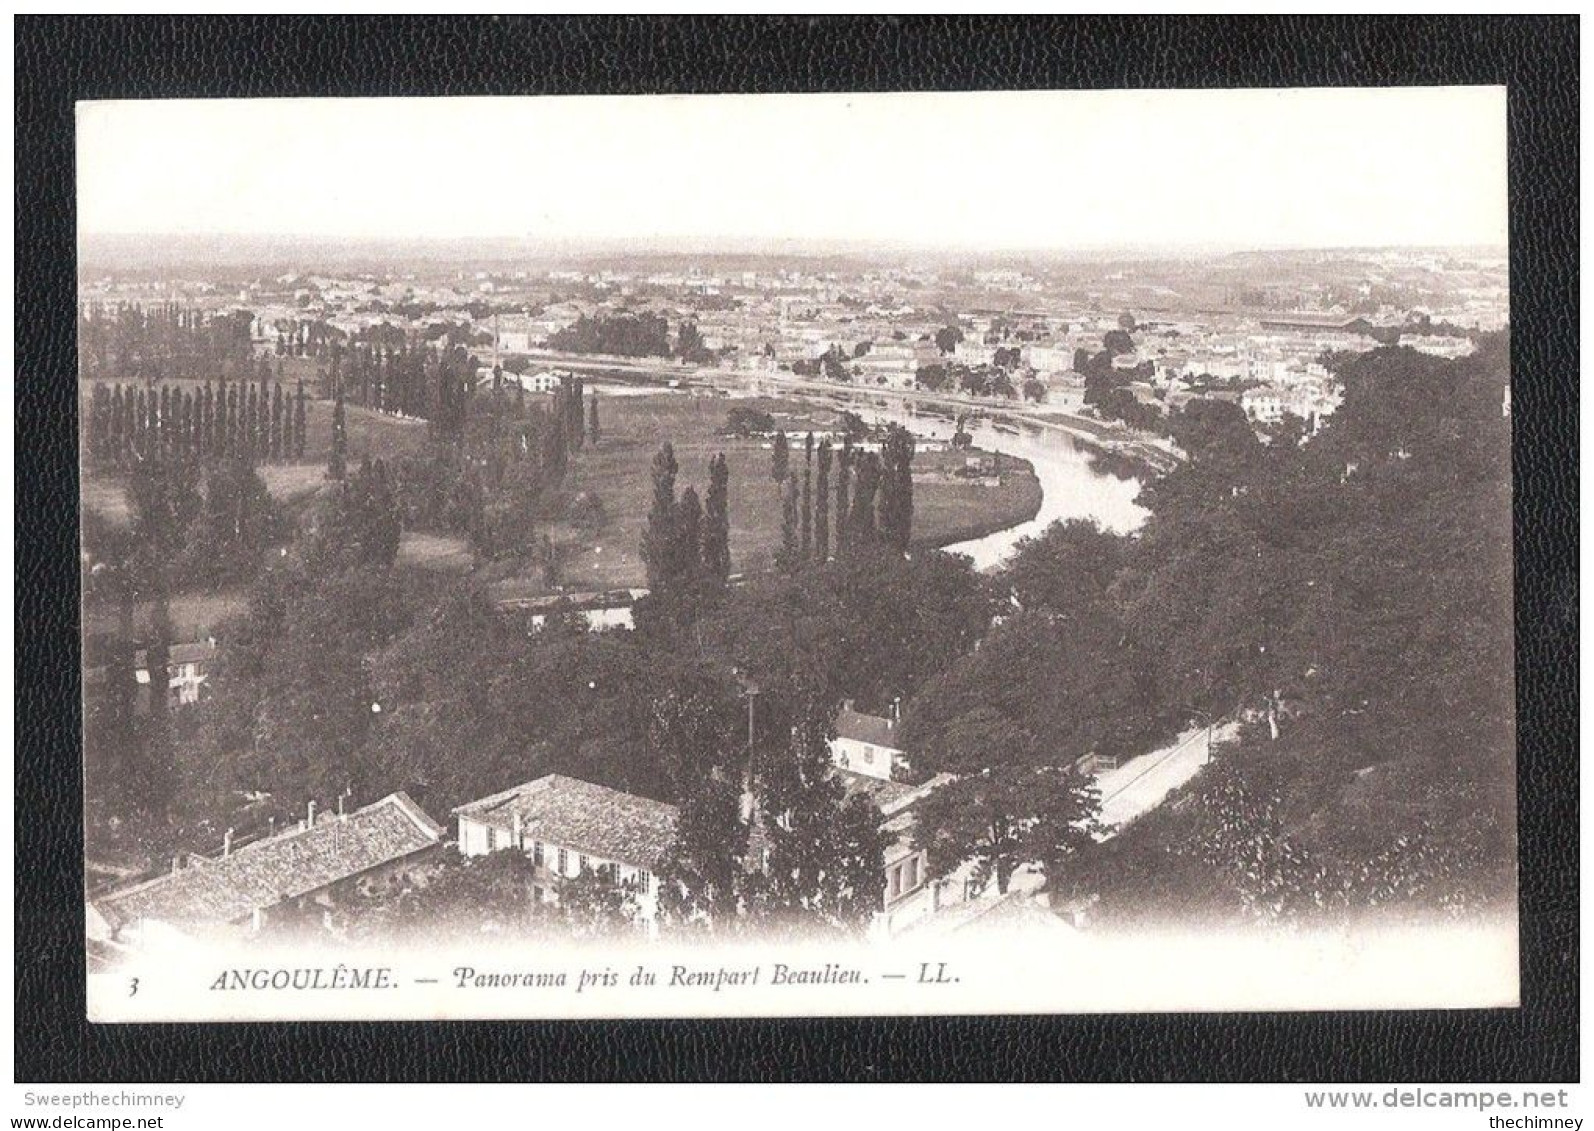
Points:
(910, 894)
(862, 757)
(478, 838)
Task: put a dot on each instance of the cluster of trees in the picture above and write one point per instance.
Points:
(162, 342)
(258, 422)
(624, 334)
(346, 674)
(305, 337)
(870, 625)
(873, 497)
(209, 530)
(686, 543)
(744, 421)
(806, 858)
(831, 365)
(689, 345)
(976, 380)
(1107, 385)
(1345, 597)
(497, 474)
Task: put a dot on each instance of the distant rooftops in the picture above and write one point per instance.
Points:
(259, 875)
(1310, 320)
(577, 814)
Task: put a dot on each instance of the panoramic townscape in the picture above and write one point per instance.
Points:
(468, 591)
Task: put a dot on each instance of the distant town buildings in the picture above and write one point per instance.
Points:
(1257, 325)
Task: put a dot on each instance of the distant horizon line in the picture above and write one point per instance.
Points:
(733, 244)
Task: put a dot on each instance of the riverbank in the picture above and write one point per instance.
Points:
(1017, 501)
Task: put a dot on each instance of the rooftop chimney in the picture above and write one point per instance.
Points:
(226, 843)
(309, 820)
(177, 863)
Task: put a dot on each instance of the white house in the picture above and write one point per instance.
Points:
(909, 894)
(865, 744)
(541, 381)
(571, 827)
(514, 341)
(1263, 406)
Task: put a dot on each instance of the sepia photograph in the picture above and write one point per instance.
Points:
(834, 554)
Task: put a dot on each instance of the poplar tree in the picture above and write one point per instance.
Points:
(843, 489)
(896, 489)
(164, 431)
(234, 423)
(716, 523)
(337, 461)
(789, 549)
(806, 524)
(822, 504)
(251, 444)
(861, 514)
(659, 541)
(686, 554)
(276, 422)
(207, 438)
(780, 460)
(298, 424)
(154, 783)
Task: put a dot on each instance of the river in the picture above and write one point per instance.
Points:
(1070, 486)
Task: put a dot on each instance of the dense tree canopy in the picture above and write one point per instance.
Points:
(1347, 597)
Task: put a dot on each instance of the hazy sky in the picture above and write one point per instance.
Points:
(1053, 170)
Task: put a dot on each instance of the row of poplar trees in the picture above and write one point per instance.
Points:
(873, 494)
(416, 381)
(259, 421)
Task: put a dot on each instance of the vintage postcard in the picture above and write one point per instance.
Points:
(739, 555)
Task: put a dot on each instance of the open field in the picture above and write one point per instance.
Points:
(442, 553)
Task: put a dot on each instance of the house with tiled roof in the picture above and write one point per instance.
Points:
(866, 744)
(571, 828)
(281, 876)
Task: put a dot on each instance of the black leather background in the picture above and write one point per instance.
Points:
(59, 61)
